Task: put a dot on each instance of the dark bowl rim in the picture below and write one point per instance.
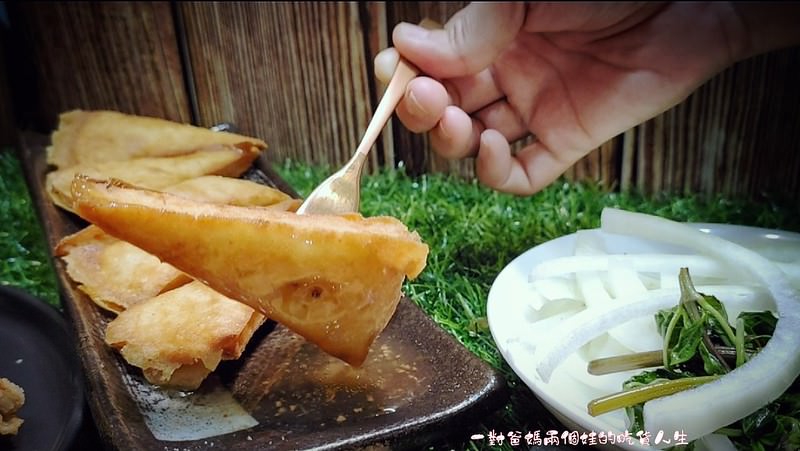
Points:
(55, 317)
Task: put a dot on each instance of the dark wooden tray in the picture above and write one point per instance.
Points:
(419, 383)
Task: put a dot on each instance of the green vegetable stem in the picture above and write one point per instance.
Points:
(704, 316)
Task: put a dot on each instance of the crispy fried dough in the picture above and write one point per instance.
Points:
(114, 274)
(117, 275)
(156, 172)
(98, 136)
(177, 338)
(12, 398)
(228, 191)
(335, 280)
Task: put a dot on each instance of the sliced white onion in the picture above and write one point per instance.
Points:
(666, 264)
(590, 284)
(591, 289)
(662, 263)
(555, 288)
(624, 281)
(603, 346)
(639, 334)
(555, 307)
(764, 378)
(544, 327)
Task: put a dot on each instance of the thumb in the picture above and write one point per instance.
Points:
(469, 42)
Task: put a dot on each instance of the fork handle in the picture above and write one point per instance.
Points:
(403, 74)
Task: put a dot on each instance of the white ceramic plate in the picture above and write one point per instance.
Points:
(570, 388)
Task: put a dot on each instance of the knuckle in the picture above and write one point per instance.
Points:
(458, 36)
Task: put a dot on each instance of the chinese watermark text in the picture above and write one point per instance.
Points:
(575, 438)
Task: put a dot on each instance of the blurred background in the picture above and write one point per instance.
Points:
(299, 75)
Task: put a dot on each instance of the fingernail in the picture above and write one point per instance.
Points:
(414, 103)
(443, 130)
(411, 31)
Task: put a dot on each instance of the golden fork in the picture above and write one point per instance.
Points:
(341, 192)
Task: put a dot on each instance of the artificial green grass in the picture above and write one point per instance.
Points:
(24, 260)
(473, 232)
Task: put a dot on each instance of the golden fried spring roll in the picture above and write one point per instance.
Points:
(117, 275)
(335, 280)
(228, 191)
(156, 172)
(114, 274)
(180, 336)
(98, 136)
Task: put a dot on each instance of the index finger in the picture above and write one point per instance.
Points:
(385, 61)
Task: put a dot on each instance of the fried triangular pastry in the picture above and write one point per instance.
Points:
(114, 274)
(335, 280)
(229, 191)
(177, 338)
(156, 172)
(117, 275)
(98, 136)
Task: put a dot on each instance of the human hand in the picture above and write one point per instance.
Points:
(573, 75)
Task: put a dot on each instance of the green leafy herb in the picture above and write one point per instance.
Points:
(699, 346)
(757, 328)
(697, 327)
(774, 426)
